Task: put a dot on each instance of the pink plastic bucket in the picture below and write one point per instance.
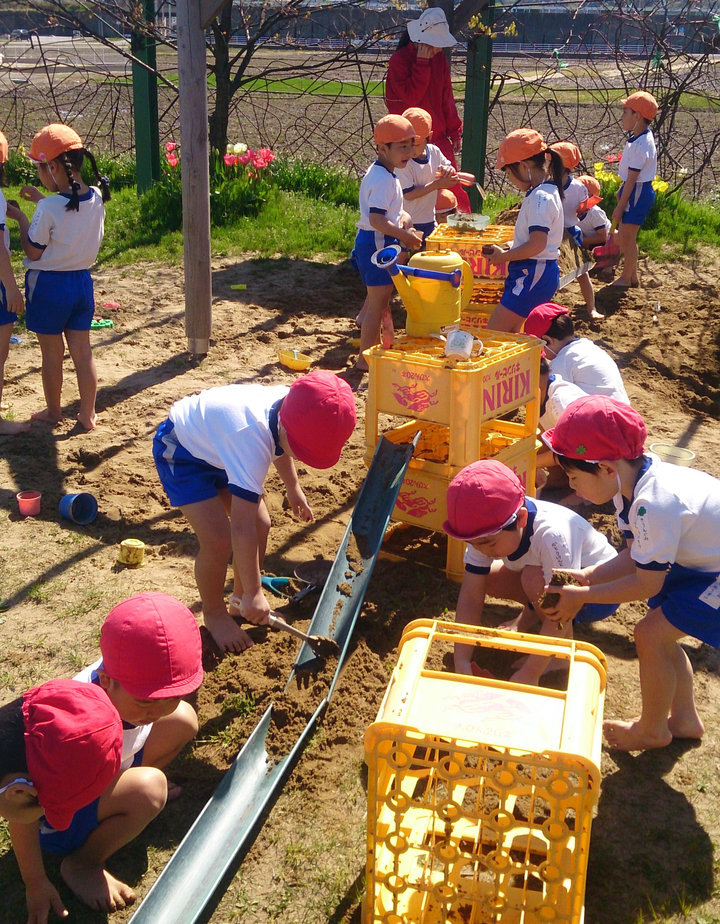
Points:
(29, 503)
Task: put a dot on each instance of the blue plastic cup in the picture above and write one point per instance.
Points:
(79, 508)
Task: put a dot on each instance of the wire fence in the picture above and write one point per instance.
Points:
(321, 101)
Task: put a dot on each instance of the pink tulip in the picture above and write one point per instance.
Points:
(172, 160)
(230, 160)
(170, 146)
(245, 158)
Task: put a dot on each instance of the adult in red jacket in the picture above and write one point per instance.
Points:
(419, 75)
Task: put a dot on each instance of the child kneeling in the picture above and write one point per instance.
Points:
(513, 545)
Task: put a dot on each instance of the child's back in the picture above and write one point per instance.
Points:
(70, 240)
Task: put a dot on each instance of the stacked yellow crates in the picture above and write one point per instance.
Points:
(456, 406)
(481, 792)
(488, 279)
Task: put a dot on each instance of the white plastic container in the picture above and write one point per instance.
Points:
(667, 452)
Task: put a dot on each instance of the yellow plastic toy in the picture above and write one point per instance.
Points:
(434, 287)
(294, 360)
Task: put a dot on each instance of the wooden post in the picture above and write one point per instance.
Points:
(192, 74)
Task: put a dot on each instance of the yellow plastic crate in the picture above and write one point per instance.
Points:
(414, 379)
(481, 792)
(469, 245)
(422, 497)
(485, 299)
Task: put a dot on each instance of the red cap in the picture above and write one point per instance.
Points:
(4, 149)
(482, 499)
(519, 145)
(151, 646)
(569, 153)
(394, 128)
(73, 746)
(318, 415)
(52, 141)
(642, 102)
(598, 429)
(541, 317)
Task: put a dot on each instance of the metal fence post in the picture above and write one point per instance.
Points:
(477, 103)
(145, 104)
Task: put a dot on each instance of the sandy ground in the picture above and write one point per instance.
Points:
(657, 822)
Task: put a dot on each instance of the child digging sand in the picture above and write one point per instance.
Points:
(670, 518)
(213, 454)
(60, 747)
(513, 545)
(61, 244)
(11, 301)
(383, 221)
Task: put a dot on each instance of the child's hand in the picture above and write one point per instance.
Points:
(299, 505)
(494, 254)
(41, 895)
(13, 210)
(572, 600)
(254, 608)
(406, 222)
(14, 300)
(31, 194)
(412, 239)
(617, 214)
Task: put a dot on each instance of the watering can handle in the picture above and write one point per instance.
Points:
(455, 278)
(468, 284)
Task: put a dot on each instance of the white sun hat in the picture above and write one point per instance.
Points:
(431, 29)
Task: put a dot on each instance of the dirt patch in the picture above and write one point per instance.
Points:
(657, 821)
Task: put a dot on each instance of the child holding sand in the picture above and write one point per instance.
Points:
(61, 244)
(533, 271)
(383, 221)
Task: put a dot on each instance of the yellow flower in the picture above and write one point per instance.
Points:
(230, 149)
(660, 185)
(239, 148)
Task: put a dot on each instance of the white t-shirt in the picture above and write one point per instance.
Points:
(575, 193)
(419, 172)
(555, 537)
(673, 517)
(3, 223)
(639, 155)
(381, 193)
(559, 395)
(71, 240)
(589, 367)
(541, 211)
(594, 221)
(134, 736)
(231, 427)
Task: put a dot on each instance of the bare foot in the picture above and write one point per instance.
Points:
(174, 791)
(87, 422)
(47, 416)
(227, 633)
(686, 726)
(11, 427)
(95, 886)
(631, 736)
(596, 316)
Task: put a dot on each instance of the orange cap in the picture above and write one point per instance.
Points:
(446, 200)
(569, 153)
(642, 102)
(421, 121)
(520, 145)
(52, 141)
(393, 128)
(591, 184)
(4, 149)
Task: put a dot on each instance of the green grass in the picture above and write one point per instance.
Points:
(301, 85)
(677, 226)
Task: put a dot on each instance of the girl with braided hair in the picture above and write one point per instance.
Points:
(61, 243)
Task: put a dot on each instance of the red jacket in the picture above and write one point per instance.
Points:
(423, 82)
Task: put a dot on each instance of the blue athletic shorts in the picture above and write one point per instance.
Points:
(186, 479)
(84, 821)
(427, 227)
(641, 201)
(6, 317)
(594, 612)
(366, 244)
(679, 600)
(530, 283)
(58, 301)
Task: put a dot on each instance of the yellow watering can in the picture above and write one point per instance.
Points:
(434, 287)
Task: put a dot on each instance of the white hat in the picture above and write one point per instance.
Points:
(431, 29)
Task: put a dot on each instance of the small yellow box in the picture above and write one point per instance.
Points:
(414, 379)
(469, 245)
(480, 791)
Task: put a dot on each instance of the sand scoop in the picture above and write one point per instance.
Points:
(322, 646)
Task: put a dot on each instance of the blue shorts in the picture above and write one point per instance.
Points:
(58, 301)
(427, 227)
(6, 317)
(642, 199)
(530, 283)
(679, 600)
(186, 479)
(366, 244)
(594, 612)
(84, 822)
